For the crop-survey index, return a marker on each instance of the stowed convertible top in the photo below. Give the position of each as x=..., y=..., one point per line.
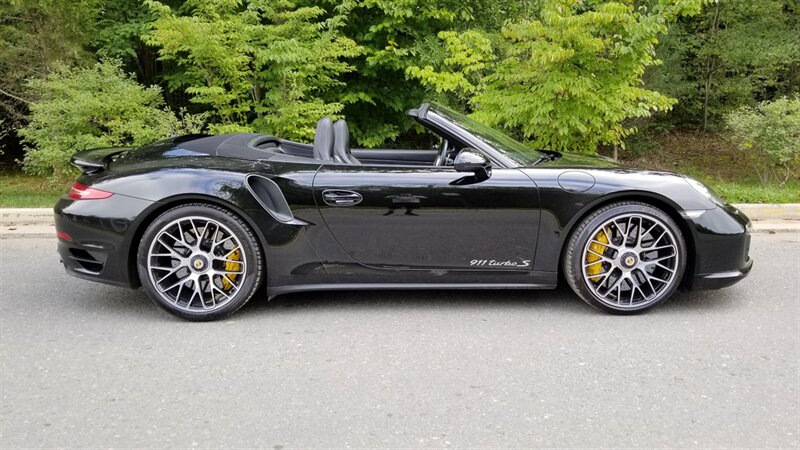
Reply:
x=250, y=146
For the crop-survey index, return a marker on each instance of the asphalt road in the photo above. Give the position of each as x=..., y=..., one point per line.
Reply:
x=86, y=365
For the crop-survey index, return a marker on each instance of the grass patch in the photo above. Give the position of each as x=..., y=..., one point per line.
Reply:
x=18, y=190
x=745, y=190
x=734, y=192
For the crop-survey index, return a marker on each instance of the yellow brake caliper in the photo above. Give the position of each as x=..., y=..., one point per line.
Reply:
x=597, y=247
x=233, y=267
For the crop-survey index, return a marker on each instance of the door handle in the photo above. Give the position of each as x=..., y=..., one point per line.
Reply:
x=339, y=197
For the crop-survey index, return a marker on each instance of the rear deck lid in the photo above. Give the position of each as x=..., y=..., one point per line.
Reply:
x=96, y=159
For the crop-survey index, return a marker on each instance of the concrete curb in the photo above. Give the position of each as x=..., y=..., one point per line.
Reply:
x=770, y=211
x=26, y=216
x=38, y=222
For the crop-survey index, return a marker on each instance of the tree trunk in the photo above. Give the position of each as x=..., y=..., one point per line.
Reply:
x=710, y=65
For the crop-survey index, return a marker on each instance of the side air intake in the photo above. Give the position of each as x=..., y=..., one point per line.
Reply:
x=270, y=197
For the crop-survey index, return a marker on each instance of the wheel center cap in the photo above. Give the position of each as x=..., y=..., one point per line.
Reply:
x=629, y=260
x=199, y=263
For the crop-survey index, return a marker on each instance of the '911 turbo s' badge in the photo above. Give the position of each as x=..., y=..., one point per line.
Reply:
x=494, y=263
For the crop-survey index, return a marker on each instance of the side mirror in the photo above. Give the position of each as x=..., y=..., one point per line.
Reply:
x=471, y=160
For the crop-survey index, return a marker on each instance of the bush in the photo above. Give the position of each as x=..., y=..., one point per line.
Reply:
x=100, y=106
x=768, y=137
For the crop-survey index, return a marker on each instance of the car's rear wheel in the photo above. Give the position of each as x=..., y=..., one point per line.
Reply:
x=199, y=262
x=625, y=258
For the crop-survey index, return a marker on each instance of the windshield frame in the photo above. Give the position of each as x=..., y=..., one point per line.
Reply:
x=501, y=148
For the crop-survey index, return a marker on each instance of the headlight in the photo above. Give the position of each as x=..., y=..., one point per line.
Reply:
x=704, y=190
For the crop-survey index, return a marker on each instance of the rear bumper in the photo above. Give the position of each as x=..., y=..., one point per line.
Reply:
x=97, y=237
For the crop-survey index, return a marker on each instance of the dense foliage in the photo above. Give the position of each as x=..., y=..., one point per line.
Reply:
x=563, y=74
x=264, y=66
x=36, y=36
x=768, y=136
x=570, y=79
x=94, y=107
x=734, y=53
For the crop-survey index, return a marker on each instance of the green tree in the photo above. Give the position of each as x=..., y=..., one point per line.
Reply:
x=121, y=25
x=100, y=106
x=397, y=35
x=572, y=77
x=257, y=65
x=736, y=52
x=35, y=36
x=468, y=59
x=394, y=35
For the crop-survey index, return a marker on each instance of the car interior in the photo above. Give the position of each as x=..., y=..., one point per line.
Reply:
x=332, y=144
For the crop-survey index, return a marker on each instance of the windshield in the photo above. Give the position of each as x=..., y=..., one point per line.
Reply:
x=517, y=151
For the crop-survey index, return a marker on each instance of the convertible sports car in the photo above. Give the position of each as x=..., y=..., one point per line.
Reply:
x=202, y=222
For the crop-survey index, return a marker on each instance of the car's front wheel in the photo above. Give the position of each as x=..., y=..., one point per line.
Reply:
x=199, y=262
x=625, y=258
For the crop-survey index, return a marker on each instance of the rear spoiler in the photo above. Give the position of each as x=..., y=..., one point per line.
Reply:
x=96, y=159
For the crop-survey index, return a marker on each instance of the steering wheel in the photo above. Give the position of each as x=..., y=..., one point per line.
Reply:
x=441, y=157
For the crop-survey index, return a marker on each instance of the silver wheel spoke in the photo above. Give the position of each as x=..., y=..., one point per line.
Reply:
x=652, y=249
x=649, y=283
x=657, y=279
x=602, y=257
x=173, y=286
x=617, y=283
x=229, y=260
x=660, y=258
x=174, y=238
x=665, y=267
x=229, y=253
x=641, y=235
x=171, y=272
x=220, y=242
x=628, y=230
x=178, y=295
x=603, y=244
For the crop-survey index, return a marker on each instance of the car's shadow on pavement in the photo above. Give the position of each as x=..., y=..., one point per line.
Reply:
x=560, y=300
x=554, y=300
x=105, y=300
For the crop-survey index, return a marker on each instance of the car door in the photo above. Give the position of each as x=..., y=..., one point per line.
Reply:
x=430, y=217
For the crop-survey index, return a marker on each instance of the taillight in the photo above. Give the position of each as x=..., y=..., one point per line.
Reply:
x=80, y=191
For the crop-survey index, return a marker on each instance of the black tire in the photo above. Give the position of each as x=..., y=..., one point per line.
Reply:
x=595, y=289
x=219, y=285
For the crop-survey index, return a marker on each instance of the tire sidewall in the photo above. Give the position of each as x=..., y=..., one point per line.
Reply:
x=574, y=260
x=250, y=247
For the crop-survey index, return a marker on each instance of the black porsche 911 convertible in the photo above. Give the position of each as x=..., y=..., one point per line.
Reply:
x=202, y=222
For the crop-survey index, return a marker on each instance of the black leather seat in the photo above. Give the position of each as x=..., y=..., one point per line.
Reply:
x=341, y=144
x=323, y=140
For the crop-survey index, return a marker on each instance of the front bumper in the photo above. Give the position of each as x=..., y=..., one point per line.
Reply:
x=722, y=248
x=722, y=279
x=97, y=237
